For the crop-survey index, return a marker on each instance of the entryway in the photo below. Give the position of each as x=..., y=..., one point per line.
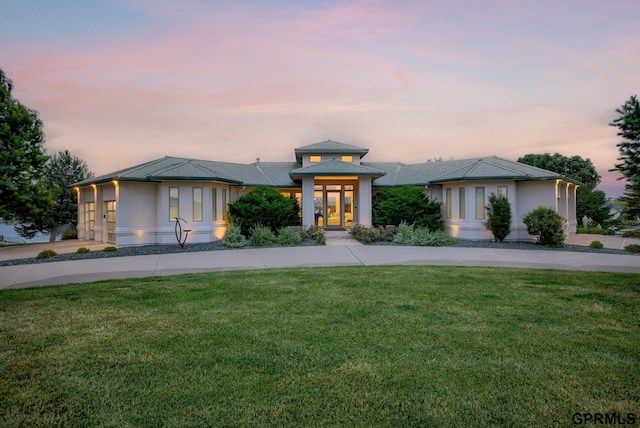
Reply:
x=333, y=205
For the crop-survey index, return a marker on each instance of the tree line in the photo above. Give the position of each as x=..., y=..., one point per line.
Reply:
x=35, y=192
x=34, y=187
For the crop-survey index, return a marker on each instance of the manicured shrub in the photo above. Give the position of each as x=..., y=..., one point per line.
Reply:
x=308, y=232
x=318, y=236
x=107, y=249
x=264, y=206
x=234, y=238
x=408, y=204
x=404, y=234
x=371, y=234
x=594, y=230
x=596, y=244
x=82, y=250
x=631, y=233
x=546, y=224
x=410, y=235
x=262, y=236
x=71, y=233
x=498, y=217
x=288, y=237
x=633, y=248
x=46, y=254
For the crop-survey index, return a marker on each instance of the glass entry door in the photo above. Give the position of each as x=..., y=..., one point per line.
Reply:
x=334, y=208
x=333, y=204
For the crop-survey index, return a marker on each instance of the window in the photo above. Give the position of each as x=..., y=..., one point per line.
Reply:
x=214, y=204
x=462, y=205
x=197, y=204
x=111, y=221
x=347, y=158
x=90, y=219
x=479, y=202
x=448, y=202
x=174, y=203
x=224, y=204
x=502, y=191
x=315, y=159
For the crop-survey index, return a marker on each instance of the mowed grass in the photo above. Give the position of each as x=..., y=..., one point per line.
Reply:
x=355, y=346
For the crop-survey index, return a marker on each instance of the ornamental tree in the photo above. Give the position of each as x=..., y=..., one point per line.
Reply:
x=498, y=217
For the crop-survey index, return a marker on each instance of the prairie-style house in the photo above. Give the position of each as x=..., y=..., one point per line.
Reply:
x=334, y=185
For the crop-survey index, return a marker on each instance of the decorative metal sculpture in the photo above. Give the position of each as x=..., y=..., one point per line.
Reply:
x=179, y=231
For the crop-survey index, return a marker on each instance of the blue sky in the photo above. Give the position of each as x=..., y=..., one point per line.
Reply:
x=119, y=82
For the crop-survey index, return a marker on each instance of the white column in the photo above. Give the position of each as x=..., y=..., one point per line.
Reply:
x=308, y=218
x=364, y=201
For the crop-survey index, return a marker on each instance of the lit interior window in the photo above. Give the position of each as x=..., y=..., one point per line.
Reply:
x=347, y=159
x=315, y=159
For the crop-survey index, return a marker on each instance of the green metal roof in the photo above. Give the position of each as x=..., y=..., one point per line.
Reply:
x=330, y=147
x=338, y=168
x=285, y=174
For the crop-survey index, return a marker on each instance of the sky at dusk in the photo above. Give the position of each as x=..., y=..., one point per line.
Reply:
x=121, y=82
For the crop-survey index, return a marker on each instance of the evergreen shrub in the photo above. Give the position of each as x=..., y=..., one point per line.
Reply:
x=546, y=224
x=234, y=238
x=408, y=204
x=46, y=254
x=266, y=207
x=596, y=244
x=262, y=236
x=498, y=217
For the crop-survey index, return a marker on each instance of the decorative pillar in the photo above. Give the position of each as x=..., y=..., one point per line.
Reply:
x=364, y=201
x=308, y=218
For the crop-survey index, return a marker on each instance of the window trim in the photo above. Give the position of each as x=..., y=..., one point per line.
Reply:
x=480, y=202
x=172, y=218
x=196, y=210
x=214, y=204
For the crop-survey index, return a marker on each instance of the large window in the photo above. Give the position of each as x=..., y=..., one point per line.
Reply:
x=174, y=203
x=197, y=204
x=479, y=202
x=448, y=202
x=462, y=203
x=90, y=219
x=111, y=221
x=224, y=204
x=214, y=204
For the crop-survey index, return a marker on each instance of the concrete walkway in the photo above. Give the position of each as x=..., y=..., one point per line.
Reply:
x=268, y=258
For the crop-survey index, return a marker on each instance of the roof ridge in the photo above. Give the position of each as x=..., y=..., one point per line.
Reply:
x=472, y=163
x=263, y=173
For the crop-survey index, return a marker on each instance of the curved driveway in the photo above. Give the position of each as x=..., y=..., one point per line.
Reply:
x=330, y=255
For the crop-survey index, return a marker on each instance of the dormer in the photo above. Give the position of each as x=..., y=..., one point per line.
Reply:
x=329, y=150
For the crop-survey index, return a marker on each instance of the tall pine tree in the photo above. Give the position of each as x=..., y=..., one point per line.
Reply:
x=628, y=124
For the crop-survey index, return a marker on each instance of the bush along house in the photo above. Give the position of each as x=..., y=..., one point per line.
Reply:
x=334, y=186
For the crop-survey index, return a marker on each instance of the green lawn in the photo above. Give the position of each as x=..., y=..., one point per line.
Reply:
x=355, y=346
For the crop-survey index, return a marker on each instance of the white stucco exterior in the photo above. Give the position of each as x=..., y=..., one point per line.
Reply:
x=137, y=206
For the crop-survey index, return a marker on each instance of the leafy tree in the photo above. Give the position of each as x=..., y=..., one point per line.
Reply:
x=629, y=166
x=264, y=206
x=408, y=204
x=574, y=167
x=499, y=217
x=22, y=157
x=579, y=169
x=546, y=224
x=61, y=171
x=593, y=204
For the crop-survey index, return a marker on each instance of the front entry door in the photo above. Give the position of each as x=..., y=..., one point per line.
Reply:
x=334, y=208
x=333, y=205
